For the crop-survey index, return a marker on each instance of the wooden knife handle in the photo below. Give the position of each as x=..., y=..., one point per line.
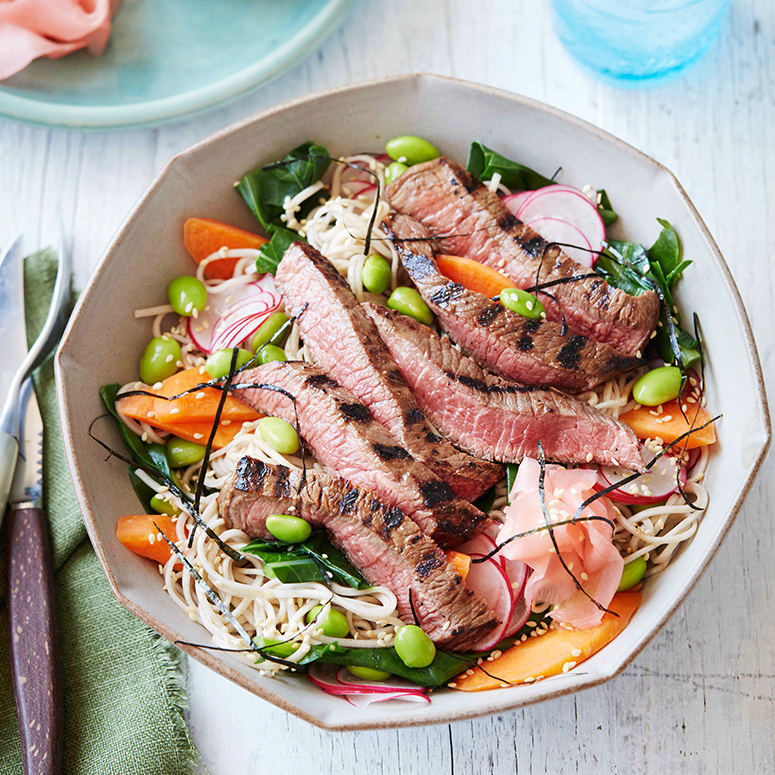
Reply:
x=33, y=641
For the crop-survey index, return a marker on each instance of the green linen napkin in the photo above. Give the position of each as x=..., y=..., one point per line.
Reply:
x=124, y=698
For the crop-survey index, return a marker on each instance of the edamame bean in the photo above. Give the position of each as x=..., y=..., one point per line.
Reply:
x=160, y=360
x=269, y=331
x=270, y=352
x=187, y=295
x=182, y=453
x=522, y=302
x=368, y=673
x=335, y=625
x=290, y=530
x=160, y=506
x=376, y=274
x=279, y=434
x=414, y=647
x=219, y=363
x=410, y=150
x=658, y=386
x=632, y=574
x=394, y=171
x=408, y=301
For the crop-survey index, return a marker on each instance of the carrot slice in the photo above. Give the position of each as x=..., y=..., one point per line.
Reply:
x=459, y=561
x=473, y=275
x=646, y=423
x=199, y=432
x=549, y=654
x=197, y=407
x=203, y=236
x=135, y=532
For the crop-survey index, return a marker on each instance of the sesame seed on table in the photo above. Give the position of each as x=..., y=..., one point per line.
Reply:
x=700, y=697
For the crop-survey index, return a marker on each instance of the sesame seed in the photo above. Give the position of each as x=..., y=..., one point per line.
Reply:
x=504, y=685
x=174, y=410
x=452, y=685
x=198, y=436
x=151, y=539
x=157, y=386
x=469, y=671
x=576, y=652
x=585, y=576
x=200, y=394
x=225, y=422
x=529, y=679
x=614, y=461
x=495, y=654
x=568, y=666
x=589, y=457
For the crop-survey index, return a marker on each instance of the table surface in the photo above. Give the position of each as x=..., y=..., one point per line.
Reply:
x=700, y=697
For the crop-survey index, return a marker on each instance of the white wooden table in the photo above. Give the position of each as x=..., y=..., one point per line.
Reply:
x=699, y=699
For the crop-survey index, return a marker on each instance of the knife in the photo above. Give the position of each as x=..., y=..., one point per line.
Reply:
x=32, y=634
x=31, y=621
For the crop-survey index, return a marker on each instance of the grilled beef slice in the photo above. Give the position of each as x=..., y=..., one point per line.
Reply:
x=469, y=220
x=385, y=545
x=346, y=345
x=494, y=418
x=531, y=351
x=349, y=442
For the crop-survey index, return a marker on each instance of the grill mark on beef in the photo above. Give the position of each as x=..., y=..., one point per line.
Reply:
x=356, y=412
x=377, y=538
x=436, y=493
x=427, y=564
x=393, y=519
x=465, y=218
x=496, y=418
x=525, y=343
x=348, y=501
x=344, y=342
x=391, y=452
x=321, y=381
x=447, y=293
x=414, y=415
x=570, y=355
x=281, y=485
x=489, y=314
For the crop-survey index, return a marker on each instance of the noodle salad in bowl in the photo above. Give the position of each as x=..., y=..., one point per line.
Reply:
x=436, y=428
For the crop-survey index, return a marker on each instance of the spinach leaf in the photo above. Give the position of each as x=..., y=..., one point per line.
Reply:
x=667, y=253
x=284, y=650
x=483, y=163
x=444, y=668
x=621, y=274
x=333, y=560
x=604, y=207
x=486, y=500
x=316, y=559
x=511, y=475
x=265, y=190
x=272, y=253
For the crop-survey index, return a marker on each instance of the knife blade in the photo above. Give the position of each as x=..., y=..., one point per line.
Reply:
x=13, y=336
x=31, y=603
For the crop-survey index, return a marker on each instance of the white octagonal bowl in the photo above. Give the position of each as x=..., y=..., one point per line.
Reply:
x=103, y=342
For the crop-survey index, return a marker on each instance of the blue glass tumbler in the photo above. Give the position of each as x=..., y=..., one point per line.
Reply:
x=638, y=42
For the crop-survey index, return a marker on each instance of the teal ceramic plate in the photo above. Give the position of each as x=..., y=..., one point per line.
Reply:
x=168, y=58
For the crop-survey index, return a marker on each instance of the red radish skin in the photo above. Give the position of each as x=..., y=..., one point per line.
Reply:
x=660, y=481
x=514, y=201
x=336, y=680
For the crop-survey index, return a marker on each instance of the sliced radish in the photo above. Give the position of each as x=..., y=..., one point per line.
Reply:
x=514, y=201
x=489, y=581
x=390, y=685
x=479, y=544
x=566, y=234
x=340, y=682
x=232, y=317
x=519, y=615
x=364, y=700
x=652, y=487
x=568, y=204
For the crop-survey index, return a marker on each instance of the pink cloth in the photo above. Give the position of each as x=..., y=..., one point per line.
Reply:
x=585, y=547
x=34, y=28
